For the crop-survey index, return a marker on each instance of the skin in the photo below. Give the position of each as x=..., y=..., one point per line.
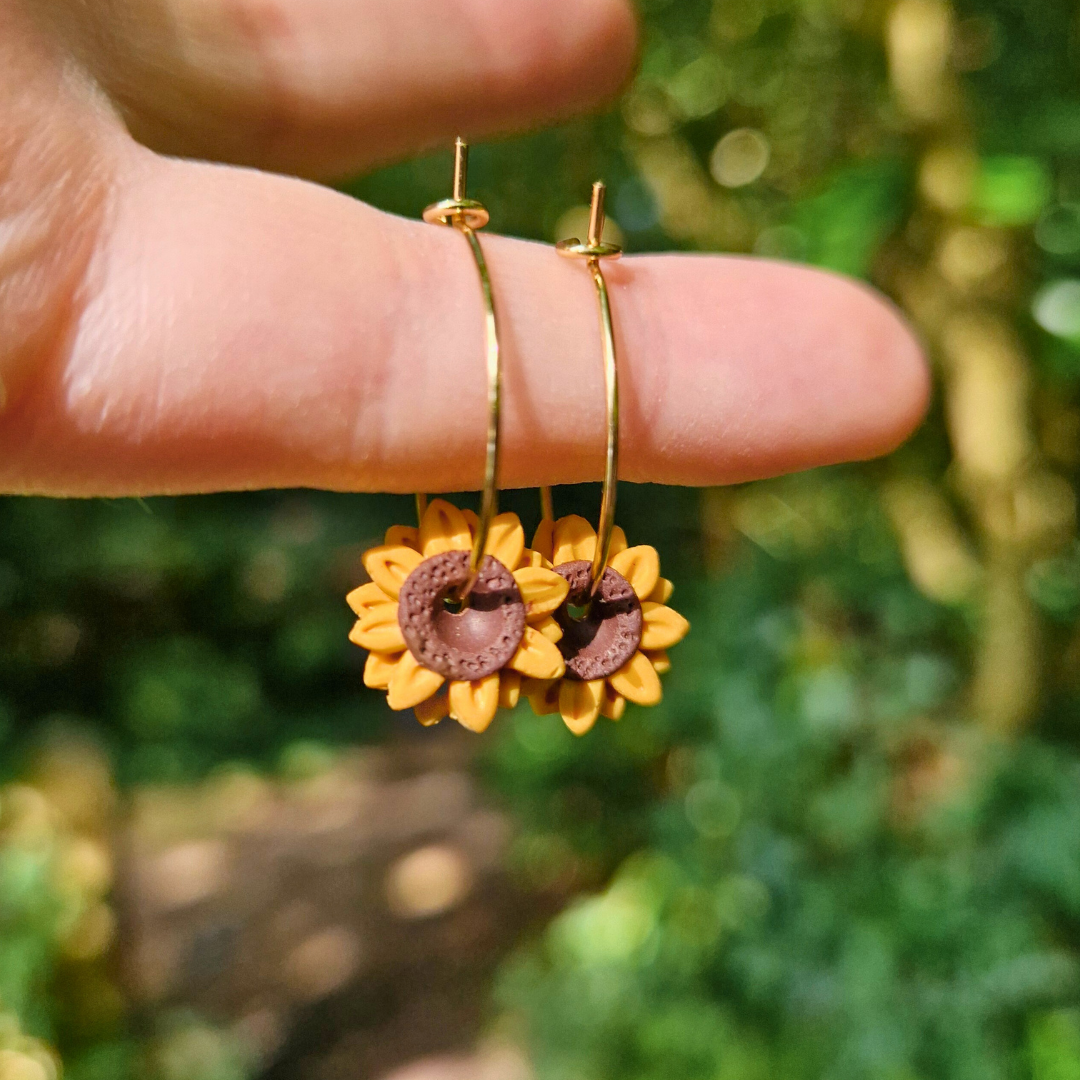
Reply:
x=172, y=325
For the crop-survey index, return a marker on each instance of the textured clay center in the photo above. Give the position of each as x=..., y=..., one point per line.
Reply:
x=474, y=642
x=608, y=636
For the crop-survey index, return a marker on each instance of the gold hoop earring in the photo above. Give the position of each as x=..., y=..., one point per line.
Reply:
x=615, y=621
x=458, y=610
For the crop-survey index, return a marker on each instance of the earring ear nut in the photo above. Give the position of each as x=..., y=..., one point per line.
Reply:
x=452, y=211
x=577, y=249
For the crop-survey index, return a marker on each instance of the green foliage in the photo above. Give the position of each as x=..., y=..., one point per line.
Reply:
x=806, y=863
x=186, y=631
x=1054, y=1040
x=834, y=876
x=844, y=225
x=1011, y=190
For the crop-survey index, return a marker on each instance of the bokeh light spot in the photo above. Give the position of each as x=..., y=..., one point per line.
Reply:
x=427, y=882
x=739, y=158
x=1057, y=308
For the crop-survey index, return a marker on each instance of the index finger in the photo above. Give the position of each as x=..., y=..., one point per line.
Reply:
x=241, y=331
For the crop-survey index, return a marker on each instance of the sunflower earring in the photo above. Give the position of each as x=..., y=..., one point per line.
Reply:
x=615, y=624
x=458, y=611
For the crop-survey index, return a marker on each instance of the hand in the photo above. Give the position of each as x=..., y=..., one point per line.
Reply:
x=168, y=325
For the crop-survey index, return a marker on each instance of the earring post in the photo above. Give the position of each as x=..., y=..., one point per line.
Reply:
x=597, y=216
x=461, y=168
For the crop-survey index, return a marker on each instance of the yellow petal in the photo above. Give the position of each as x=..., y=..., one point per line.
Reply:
x=471, y=520
x=547, y=626
x=506, y=540
x=544, y=697
x=662, y=626
x=543, y=538
x=579, y=703
x=659, y=660
x=443, y=528
x=403, y=536
x=535, y=686
x=379, y=668
x=542, y=590
x=637, y=681
x=574, y=539
x=537, y=559
x=662, y=593
x=411, y=683
x=537, y=657
x=388, y=567
x=640, y=566
x=618, y=542
x=475, y=703
x=363, y=599
x=509, y=689
x=614, y=704
x=378, y=630
x=433, y=710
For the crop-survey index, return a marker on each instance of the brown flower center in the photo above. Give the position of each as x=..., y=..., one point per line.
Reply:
x=608, y=634
x=467, y=644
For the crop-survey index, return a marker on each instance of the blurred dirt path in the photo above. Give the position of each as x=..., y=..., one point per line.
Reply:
x=342, y=924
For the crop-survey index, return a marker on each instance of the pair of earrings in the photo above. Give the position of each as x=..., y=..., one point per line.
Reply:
x=461, y=618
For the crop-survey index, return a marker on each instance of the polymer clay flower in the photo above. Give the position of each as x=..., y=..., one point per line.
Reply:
x=443, y=658
x=615, y=648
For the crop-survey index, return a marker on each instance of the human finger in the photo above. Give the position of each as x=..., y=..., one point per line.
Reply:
x=241, y=330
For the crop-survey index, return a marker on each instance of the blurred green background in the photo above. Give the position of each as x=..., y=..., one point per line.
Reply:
x=847, y=844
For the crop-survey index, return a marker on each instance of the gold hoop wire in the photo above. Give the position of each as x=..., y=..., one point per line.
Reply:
x=547, y=508
x=593, y=252
x=467, y=216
